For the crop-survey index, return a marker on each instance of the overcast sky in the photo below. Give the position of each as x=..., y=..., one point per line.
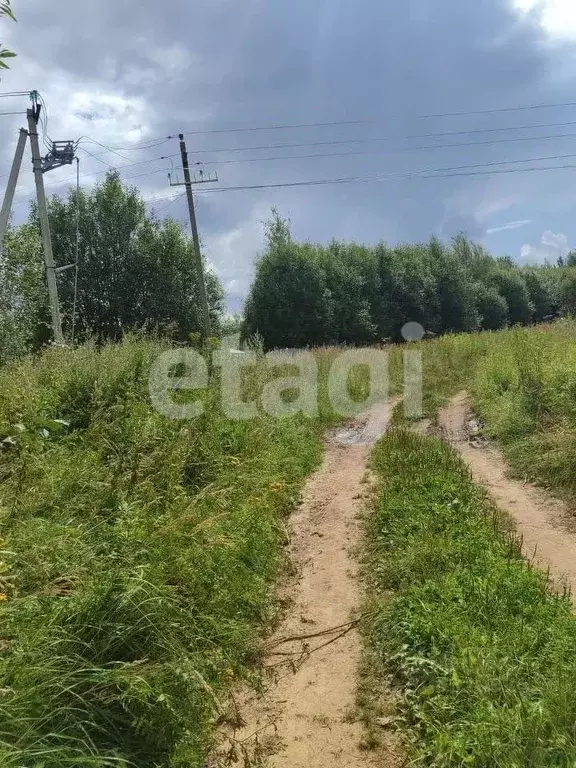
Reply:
x=129, y=72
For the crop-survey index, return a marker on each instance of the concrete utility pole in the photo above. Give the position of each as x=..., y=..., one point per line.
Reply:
x=11, y=187
x=33, y=116
x=196, y=239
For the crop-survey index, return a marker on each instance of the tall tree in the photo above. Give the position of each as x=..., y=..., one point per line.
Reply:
x=134, y=272
x=512, y=287
x=289, y=304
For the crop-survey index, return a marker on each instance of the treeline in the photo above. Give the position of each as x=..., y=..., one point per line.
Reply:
x=136, y=273
x=343, y=293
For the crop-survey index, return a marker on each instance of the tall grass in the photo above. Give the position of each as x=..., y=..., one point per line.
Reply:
x=483, y=652
x=525, y=390
x=137, y=558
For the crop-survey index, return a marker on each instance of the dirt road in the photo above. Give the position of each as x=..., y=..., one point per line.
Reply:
x=304, y=719
x=548, y=530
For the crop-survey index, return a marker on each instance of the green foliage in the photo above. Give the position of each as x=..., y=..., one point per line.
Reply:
x=5, y=10
x=568, y=292
x=540, y=293
x=343, y=293
x=23, y=298
x=137, y=559
x=134, y=272
x=483, y=652
x=289, y=302
x=511, y=285
x=492, y=307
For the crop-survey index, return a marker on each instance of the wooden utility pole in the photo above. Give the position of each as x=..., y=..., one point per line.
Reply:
x=33, y=116
x=205, y=310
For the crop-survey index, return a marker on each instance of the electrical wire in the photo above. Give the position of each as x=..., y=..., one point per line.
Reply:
x=378, y=139
x=172, y=201
x=380, y=178
x=356, y=153
x=108, y=149
x=14, y=94
x=135, y=147
x=113, y=151
x=44, y=122
x=366, y=121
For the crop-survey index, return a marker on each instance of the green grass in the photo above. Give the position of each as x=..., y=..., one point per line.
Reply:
x=525, y=391
x=137, y=560
x=523, y=385
x=483, y=652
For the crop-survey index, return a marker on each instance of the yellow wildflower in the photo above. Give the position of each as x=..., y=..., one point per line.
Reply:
x=3, y=596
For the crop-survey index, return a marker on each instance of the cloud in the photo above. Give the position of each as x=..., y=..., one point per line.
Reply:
x=550, y=248
x=510, y=225
x=557, y=17
x=233, y=253
x=137, y=70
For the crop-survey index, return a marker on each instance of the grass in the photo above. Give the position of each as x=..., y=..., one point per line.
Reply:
x=483, y=652
x=525, y=390
x=137, y=559
x=523, y=385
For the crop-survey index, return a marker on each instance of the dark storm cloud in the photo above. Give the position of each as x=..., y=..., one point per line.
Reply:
x=213, y=64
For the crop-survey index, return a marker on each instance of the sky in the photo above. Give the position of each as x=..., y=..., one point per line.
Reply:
x=388, y=93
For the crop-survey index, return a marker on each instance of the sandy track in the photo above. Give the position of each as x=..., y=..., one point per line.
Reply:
x=545, y=524
x=303, y=719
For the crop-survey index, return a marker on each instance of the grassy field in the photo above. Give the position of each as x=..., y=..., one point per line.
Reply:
x=523, y=385
x=138, y=556
x=481, y=650
x=137, y=559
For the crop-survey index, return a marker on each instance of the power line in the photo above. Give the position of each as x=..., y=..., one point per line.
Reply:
x=134, y=148
x=380, y=178
x=355, y=153
x=341, y=142
x=366, y=121
x=14, y=94
x=13, y=113
x=399, y=174
x=377, y=139
x=113, y=151
x=172, y=201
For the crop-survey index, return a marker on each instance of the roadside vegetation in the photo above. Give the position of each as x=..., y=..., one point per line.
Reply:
x=482, y=651
x=523, y=387
x=137, y=560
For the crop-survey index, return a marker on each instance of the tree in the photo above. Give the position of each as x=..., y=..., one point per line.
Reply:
x=491, y=307
x=455, y=291
x=568, y=293
x=289, y=304
x=512, y=288
x=346, y=282
x=24, y=310
x=5, y=10
x=134, y=272
x=540, y=294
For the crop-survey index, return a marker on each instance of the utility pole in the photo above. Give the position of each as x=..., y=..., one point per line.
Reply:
x=195, y=238
x=33, y=116
x=11, y=187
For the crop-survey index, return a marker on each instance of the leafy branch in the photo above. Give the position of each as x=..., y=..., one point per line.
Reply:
x=6, y=10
